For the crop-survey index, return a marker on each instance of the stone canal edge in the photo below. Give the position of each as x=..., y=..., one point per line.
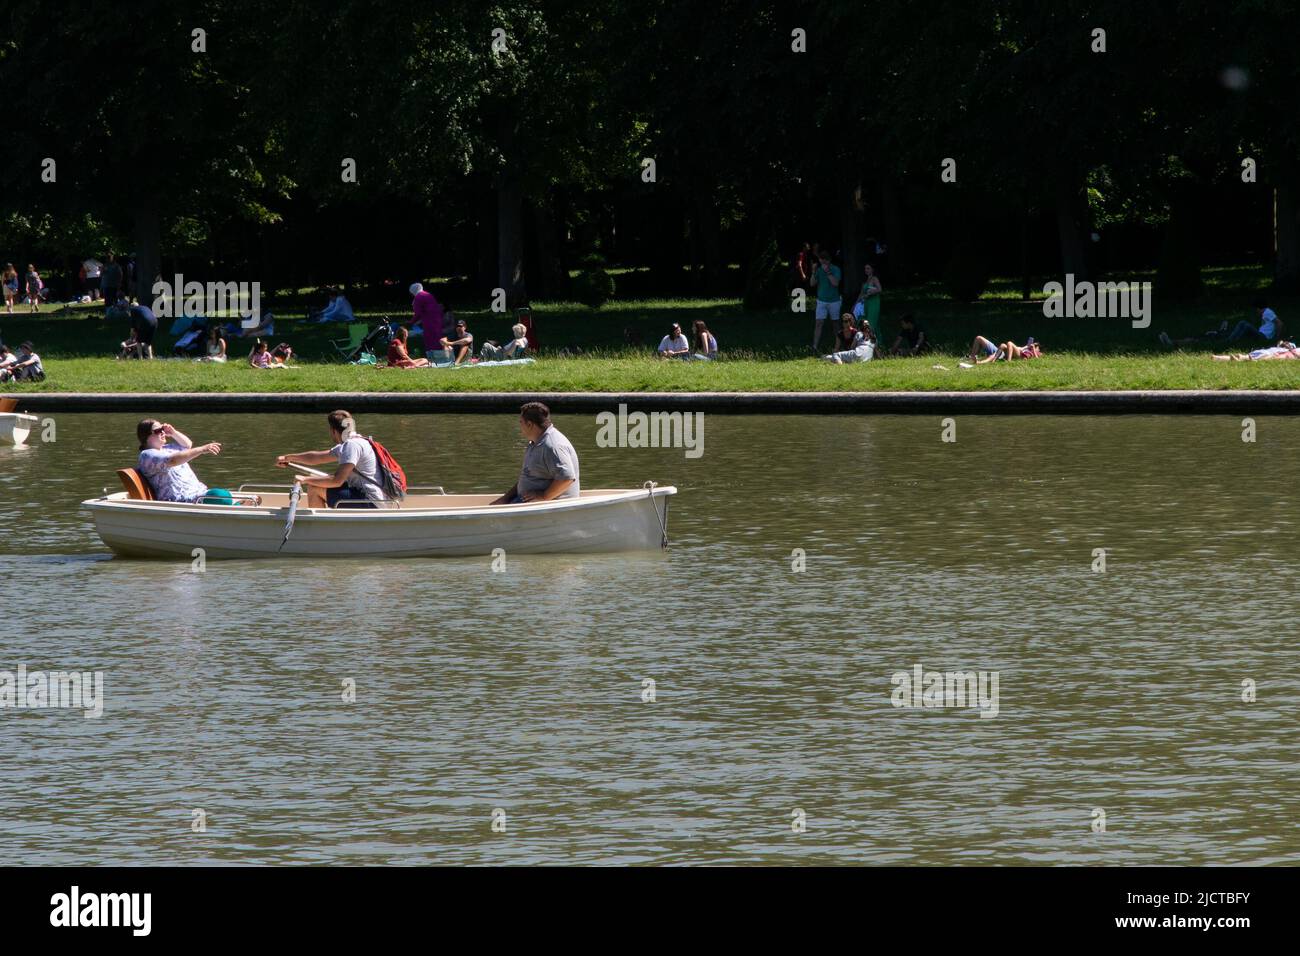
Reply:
x=1195, y=402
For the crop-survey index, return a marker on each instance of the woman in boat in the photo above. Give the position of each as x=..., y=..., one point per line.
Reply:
x=356, y=480
x=398, y=356
x=164, y=462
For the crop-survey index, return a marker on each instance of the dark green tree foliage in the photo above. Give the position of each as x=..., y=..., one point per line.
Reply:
x=508, y=163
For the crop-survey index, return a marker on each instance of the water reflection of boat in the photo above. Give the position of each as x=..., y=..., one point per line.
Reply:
x=15, y=427
x=425, y=525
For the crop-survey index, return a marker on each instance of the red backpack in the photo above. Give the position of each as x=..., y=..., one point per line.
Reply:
x=391, y=476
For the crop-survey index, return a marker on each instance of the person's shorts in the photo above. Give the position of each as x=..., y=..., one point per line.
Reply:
x=828, y=311
x=990, y=348
x=347, y=493
x=145, y=333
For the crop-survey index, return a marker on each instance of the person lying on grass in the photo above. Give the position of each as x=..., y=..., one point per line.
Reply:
x=1283, y=350
x=398, y=357
x=1006, y=351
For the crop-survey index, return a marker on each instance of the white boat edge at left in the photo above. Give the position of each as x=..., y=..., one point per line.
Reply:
x=16, y=426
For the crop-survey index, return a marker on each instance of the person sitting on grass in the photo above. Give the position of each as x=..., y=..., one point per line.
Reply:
x=1269, y=329
x=263, y=357
x=7, y=358
x=214, y=350
x=1283, y=350
x=847, y=334
x=517, y=346
x=461, y=343
x=164, y=462
x=674, y=344
x=1007, y=351
x=706, y=346
x=132, y=348
x=489, y=351
x=857, y=345
x=398, y=357
x=26, y=366
x=911, y=338
x=338, y=309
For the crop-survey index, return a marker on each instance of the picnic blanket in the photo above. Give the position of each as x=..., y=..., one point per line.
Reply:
x=522, y=361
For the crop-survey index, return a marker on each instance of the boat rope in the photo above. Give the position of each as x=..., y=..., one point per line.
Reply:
x=649, y=486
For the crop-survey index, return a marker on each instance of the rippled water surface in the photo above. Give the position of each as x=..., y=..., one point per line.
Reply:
x=1118, y=691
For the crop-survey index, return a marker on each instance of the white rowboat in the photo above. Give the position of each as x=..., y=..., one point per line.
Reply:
x=15, y=427
x=425, y=525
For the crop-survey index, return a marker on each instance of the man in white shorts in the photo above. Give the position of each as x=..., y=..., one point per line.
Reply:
x=826, y=277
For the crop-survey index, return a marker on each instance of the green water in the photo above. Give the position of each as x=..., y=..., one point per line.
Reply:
x=522, y=690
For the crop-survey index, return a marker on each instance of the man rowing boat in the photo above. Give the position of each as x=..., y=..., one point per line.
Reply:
x=356, y=480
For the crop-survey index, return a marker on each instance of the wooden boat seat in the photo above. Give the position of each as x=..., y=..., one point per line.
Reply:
x=137, y=489
x=8, y=404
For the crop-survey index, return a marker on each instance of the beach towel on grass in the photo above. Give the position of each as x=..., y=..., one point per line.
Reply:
x=522, y=361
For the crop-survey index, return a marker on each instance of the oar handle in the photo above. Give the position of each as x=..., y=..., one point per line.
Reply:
x=311, y=472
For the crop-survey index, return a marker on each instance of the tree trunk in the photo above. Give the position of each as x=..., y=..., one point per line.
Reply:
x=1068, y=229
x=710, y=244
x=1286, y=238
x=547, y=281
x=485, y=273
x=148, y=250
x=894, y=238
x=1025, y=286
x=851, y=280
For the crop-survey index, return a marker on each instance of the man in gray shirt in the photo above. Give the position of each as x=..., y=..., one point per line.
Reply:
x=550, y=464
x=356, y=480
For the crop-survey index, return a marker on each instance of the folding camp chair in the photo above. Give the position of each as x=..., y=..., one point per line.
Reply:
x=350, y=347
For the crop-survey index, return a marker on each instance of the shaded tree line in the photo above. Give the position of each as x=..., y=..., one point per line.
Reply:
x=508, y=143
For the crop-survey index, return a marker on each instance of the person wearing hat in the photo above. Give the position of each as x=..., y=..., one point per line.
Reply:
x=427, y=315
x=165, y=456
x=461, y=343
x=674, y=344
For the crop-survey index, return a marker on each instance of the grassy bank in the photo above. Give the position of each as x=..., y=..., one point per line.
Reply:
x=585, y=350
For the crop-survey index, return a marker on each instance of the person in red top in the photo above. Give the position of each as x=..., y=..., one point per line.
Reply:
x=398, y=357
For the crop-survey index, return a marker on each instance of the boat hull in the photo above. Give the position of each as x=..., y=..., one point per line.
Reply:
x=15, y=427
x=454, y=526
